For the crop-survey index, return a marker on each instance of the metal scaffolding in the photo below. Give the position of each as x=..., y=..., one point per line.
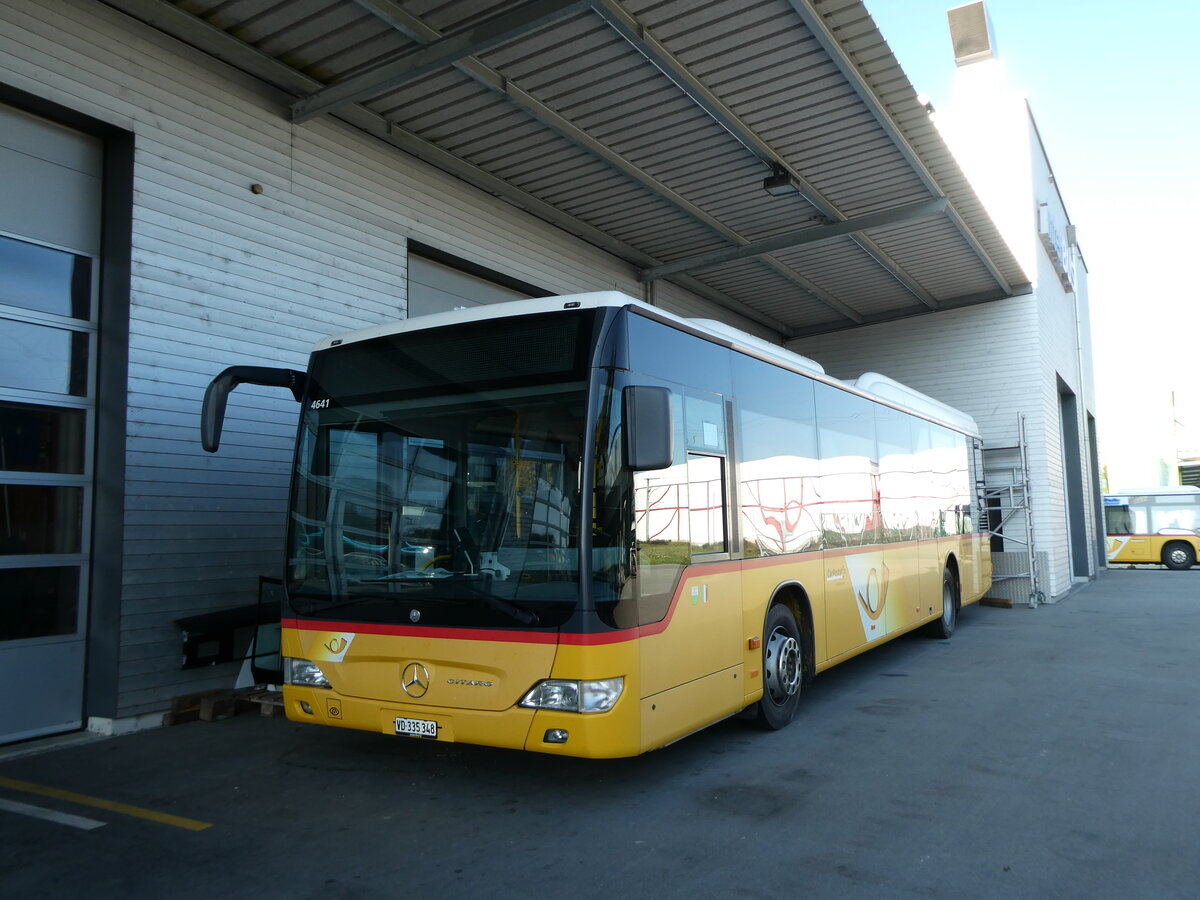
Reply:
x=1006, y=494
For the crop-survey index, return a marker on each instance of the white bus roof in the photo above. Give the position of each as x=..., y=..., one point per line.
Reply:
x=902, y=395
x=871, y=384
x=726, y=333
x=1186, y=489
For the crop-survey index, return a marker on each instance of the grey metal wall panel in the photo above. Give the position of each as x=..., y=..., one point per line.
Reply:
x=434, y=287
x=52, y=183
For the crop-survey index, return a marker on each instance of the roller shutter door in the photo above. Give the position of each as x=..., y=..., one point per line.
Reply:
x=50, y=181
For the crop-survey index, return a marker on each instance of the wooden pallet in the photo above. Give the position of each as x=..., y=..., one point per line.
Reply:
x=212, y=706
x=269, y=703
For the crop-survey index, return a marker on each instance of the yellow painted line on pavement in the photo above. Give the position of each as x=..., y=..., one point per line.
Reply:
x=99, y=803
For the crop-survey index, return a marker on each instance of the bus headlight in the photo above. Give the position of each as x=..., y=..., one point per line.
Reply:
x=575, y=696
x=303, y=672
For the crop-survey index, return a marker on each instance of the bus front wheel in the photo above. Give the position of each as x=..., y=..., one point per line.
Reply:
x=1178, y=555
x=783, y=669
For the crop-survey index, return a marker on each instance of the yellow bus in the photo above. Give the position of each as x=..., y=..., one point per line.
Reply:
x=1155, y=527
x=580, y=525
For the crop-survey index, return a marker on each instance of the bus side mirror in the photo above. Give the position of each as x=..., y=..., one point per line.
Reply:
x=648, y=431
x=212, y=413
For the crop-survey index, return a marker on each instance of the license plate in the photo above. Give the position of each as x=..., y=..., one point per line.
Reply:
x=425, y=728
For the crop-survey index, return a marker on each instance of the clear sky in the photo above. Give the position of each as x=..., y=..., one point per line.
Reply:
x=1115, y=91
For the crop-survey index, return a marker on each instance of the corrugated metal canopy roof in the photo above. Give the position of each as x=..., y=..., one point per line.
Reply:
x=648, y=127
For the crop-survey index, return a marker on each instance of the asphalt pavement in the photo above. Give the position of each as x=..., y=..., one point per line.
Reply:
x=1049, y=752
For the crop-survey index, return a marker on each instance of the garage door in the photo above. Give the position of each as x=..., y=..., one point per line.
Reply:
x=50, y=179
x=438, y=287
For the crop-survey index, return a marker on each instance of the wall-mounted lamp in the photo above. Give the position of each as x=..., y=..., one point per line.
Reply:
x=779, y=182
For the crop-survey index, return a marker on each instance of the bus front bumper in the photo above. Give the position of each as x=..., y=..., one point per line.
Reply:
x=600, y=735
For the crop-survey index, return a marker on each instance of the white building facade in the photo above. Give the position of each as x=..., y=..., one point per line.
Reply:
x=1027, y=357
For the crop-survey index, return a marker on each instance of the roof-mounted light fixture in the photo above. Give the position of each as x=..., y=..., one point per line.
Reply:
x=779, y=182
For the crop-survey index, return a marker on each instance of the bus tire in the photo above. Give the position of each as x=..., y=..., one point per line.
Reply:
x=944, y=626
x=1178, y=555
x=782, y=667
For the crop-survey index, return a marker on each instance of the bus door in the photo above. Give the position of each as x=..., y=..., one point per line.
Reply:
x=688, y=590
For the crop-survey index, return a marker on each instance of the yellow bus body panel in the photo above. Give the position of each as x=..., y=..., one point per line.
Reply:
x=761, y=579
x=1145, y=548
x=699, y=665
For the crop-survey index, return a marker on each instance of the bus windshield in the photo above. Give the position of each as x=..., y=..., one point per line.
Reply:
x=438, y=483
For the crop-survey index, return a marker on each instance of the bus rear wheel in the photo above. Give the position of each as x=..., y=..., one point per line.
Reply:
x=1178, y=555
x=783, y=669
x=943, y=628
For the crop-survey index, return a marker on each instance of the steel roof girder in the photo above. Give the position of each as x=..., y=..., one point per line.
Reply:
x=494, y=81
x=229, y=50
x=186, y=26
x=813, y=290
x=169, y=18
x=394, y=15
x=910, y=212
x=437, y=54
x=894, y=269
x=650, y=47
x=909, y=312
x=413, y=26
x=812, y=19
x=666, y=62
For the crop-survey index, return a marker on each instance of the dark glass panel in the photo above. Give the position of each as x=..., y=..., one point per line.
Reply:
x=1118, y=520
x=37, y=518
x=439, y=471
x=47, y=280
x=38, y=602
x=41, y=358
x=493, y=354
x=677, y=357
x=41, y=439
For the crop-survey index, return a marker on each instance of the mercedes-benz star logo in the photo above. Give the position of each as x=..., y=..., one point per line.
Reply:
x=415, y=680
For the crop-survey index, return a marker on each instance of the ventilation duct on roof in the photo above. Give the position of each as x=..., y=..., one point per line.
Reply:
x=971, y=34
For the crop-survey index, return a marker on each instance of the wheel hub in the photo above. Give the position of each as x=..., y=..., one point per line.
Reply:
x=782, y=666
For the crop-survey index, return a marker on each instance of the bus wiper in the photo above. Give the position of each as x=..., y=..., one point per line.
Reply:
x=324, y=602
x=519, y=613
x=454, y=592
